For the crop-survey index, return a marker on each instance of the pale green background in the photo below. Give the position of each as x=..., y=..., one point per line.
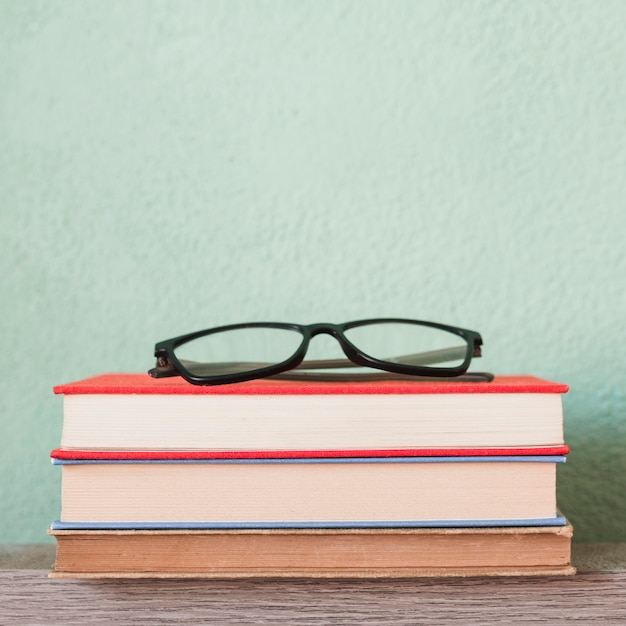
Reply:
x=170, y=166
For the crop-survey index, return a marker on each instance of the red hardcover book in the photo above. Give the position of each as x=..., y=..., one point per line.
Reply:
x=113, y=415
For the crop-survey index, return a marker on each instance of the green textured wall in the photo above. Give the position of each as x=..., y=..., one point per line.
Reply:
x=169, y=166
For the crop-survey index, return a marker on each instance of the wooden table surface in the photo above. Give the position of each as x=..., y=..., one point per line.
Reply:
x=596, y=595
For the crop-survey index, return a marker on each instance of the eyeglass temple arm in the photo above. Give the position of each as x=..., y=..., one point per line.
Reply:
x=420, y=358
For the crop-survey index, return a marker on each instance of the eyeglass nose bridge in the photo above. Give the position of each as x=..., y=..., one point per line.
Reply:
x=336, y=331
x=324, y=329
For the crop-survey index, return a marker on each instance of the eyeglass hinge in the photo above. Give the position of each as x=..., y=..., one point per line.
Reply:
x=163, y=367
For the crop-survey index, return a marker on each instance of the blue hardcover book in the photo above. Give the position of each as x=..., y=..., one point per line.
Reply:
x=385, y=492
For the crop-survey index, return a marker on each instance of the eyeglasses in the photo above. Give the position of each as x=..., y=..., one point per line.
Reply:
x=398, y=347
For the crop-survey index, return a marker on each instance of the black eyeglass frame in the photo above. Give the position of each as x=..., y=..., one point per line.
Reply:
x=169, y=365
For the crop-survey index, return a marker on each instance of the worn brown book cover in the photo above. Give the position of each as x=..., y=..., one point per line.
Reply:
x=331, y=553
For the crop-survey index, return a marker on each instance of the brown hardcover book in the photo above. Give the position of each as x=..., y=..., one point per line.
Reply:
x=343, y=553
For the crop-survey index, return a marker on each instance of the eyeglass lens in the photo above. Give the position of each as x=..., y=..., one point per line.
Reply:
x=412, y=344
x=240, y=350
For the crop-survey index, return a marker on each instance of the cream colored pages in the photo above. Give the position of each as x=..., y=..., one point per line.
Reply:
x=323, y=422
x=308, y=492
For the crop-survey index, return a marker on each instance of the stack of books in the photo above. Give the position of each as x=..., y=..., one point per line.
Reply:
x=161, y=478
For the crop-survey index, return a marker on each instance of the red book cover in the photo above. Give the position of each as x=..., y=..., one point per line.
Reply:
x=134, y=416
x=126, y=383
x=223, y=455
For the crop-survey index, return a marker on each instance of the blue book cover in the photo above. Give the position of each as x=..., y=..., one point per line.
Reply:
x=400, y=492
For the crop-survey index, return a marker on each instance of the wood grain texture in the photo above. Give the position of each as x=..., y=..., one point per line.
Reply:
x=29, y=597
